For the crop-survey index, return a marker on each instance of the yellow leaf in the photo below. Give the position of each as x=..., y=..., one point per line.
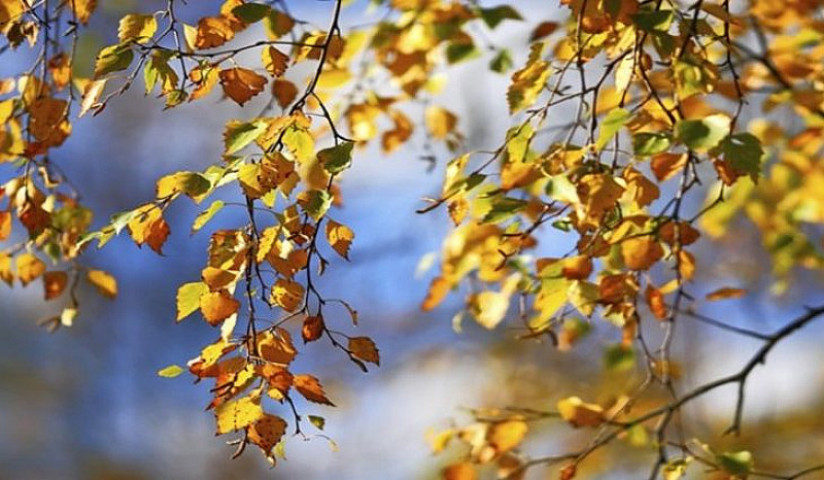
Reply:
x=489, y=308
x=241, y=84
x=364, y=348
x=339, y=237
x=505, y=436
x=440, y=122
x=218, y=306
x=726, y=292
x=54, y=283
x=171, y=371
x=83, y=9
x=641, y=253
x=238, y=414
x=528, y=82
x=105, y=283
x=288, y=294
x=311, y=389
x=29, y=268
x=6, y=274
x=580, y=414
x=188, y=298
x=91, y=95
x=139, y=28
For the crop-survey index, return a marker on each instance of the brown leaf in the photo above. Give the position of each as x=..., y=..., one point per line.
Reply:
x=54, y=283
x=312, y=328
x=266, y=432
x=364, y=348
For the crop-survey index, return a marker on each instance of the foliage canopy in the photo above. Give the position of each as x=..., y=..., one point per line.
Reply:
x=657, y=99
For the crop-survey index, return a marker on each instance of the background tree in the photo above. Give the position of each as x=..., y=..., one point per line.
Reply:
x=584, y=214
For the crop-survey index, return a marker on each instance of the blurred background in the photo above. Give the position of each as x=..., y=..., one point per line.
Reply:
x=86, y=402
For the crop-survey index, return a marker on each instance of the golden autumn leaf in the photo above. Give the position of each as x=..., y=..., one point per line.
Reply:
x=29, y=268
x=459, y=471
x=138, y=28
x=440, y=122
x=5, y=225
x=364, y=349
x=287, y=294
x=311, y=389
x=241, y=84
x=504, y=436
x=149, y=227
x=339, y=237
x=188, y=298
x=218, y=306
x=641, y=253
x=437, y=292
x=276, y=346
x=580, y=414
x=238, y=414
x=54, y=283
x=83, y=9
x=104, y=282
x=213, y=32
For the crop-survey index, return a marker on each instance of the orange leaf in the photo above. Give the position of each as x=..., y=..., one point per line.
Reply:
x=438, y=290
x=726, y=292
x=311, y=389
x=266, y=432
x=218, y=306
x=241, y=84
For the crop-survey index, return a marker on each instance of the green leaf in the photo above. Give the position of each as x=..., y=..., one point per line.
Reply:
x=495, y=15
x=206, y=215
x=502, y=62
x=653, y=20
x=703, y=134
x=251, y=12
x=503, y=208
x=170, y=372
x=646, y=143
x=744, y=152
x=461, y=51
x=610, y=126
x=240, y=134
x=619, y=358
x=736, y=463
x=336, y=159
x=317, y=421
x=113, y=59
x=316, y=203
